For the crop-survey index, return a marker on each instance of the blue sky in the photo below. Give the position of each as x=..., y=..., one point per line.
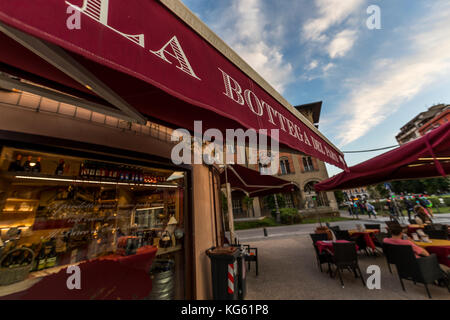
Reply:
x=371, y=82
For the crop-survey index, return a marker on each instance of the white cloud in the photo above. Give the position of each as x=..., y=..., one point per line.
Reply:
x=328, y=67
x=331, y=13
x=312, y=65
x=342, y=43
x=381, y=91
x=245, y=28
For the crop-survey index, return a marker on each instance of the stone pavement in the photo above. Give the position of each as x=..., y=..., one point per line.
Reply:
x=288, y=271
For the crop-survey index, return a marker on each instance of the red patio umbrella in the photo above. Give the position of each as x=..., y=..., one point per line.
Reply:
x=426, y=157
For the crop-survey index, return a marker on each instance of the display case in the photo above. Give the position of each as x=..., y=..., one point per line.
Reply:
x=70, y=210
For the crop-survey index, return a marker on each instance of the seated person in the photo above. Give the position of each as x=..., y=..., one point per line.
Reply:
x=399, y=238
x=422, y=214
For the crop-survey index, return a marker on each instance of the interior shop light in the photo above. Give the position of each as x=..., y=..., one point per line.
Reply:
x=97, y=182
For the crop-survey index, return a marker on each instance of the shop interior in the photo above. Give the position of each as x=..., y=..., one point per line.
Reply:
x=58, y=210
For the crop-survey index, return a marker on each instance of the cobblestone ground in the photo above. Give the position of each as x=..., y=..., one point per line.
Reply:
x=288, y=271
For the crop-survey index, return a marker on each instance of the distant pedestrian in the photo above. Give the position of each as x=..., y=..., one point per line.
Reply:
x=370, y=210
x=355, y=209
x=422, y=213
x=427, y=204
x=350, y=208
x=409, y=206
x=361, y=207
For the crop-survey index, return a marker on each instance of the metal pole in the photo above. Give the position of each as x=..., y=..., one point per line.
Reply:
x=277, y=209
x=230, y=208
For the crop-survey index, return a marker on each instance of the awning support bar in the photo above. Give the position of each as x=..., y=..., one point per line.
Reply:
x=61, y=60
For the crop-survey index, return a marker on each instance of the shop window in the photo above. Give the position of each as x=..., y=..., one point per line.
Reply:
x=284, y=166
x=237, y=206
x=68, y=210
x=308, y=164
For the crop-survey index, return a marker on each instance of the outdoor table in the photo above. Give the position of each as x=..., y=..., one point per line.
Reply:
x=439, y=247
x=367, y=234
x=414, y=227
x=328, y=245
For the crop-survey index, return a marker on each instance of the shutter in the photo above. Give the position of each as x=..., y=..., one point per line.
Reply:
x=315, y=164
x=302, y=167
x=291, y=164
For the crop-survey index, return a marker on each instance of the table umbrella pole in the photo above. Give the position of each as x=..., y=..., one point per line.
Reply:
x=230, y=207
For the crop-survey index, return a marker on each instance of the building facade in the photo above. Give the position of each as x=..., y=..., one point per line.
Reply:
x=303, y=170
x=423, y=123
x=356, y=193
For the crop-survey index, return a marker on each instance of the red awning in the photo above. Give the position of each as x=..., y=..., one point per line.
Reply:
x=426, y=157
x=152, y=61
x=253, y=183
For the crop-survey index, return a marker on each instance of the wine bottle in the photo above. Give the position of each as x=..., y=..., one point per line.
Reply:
x=51, y=256
x=82, y=170
x=37, y=166
x=27, y=165
x=60, y=168
x=92, y=170
x=42, y=257
x=16, y=165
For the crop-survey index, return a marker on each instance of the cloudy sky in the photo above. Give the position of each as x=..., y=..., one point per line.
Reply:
x=371, y=82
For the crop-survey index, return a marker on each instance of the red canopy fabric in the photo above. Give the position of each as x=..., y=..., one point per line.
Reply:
x=425, y=157
x=253, y=183
x=156, y=63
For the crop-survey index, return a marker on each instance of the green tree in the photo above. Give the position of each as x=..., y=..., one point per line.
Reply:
x=382, y=191
x=339, y=195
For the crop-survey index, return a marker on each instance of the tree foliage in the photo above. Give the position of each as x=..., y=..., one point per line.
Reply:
x=428, y=186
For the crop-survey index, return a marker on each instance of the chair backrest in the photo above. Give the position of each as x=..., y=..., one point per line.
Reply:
x=437, y=234
x=372, y=226
x=404, y=259
x=318, y=237
x=387, y=252
x=342, y=235
x=345, y=253
x=335, y=228
x=440, y=226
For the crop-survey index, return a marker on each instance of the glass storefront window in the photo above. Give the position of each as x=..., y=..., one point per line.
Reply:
x=67, y=211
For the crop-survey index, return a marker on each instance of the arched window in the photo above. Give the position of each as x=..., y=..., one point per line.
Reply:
x=311, y=195
x=284, y=166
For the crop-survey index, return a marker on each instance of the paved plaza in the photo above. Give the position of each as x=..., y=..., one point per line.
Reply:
x=288, y=271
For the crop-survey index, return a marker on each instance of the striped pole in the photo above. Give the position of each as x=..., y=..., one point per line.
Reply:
x=231, y=268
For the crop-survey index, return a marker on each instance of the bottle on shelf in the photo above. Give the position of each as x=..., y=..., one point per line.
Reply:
x=27, y=164
x=121, y=173
x=92, y=169
x=42, y=257
x=16, y=165
x=37, y=167
x=51, y=255
x=60, y=168
x=98, y=171
x=82, y=173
